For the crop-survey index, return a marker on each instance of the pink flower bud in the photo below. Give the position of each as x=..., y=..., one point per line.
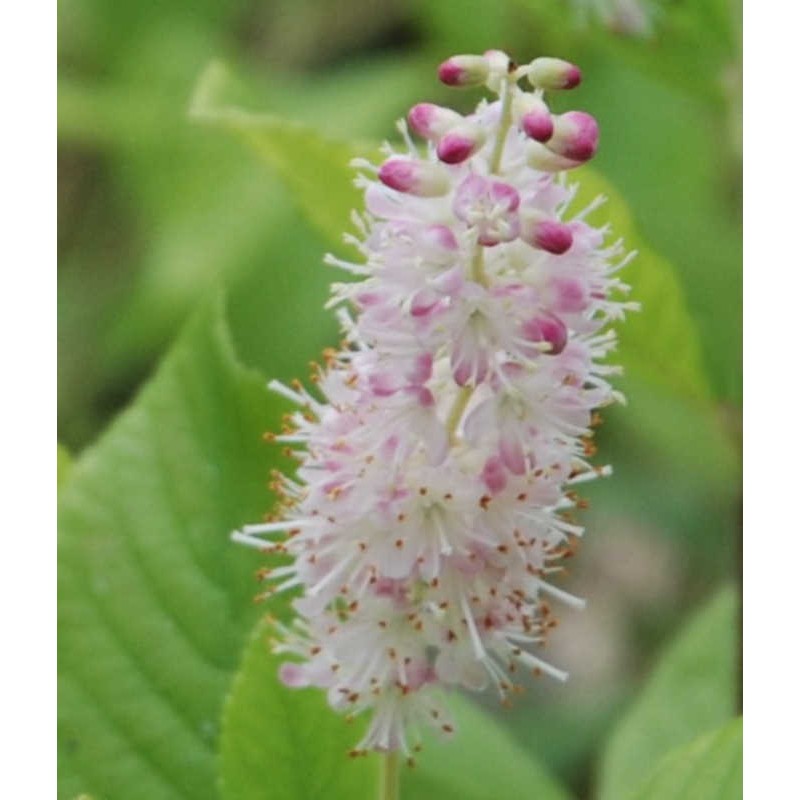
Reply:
x=411, y=176
x=546, y=328
x=464, y=71
x=553, y=74
x=535, y=118
x=538, y=125
x=431, y=121
x=543, y=233
x=575, y=136
x=460, y=143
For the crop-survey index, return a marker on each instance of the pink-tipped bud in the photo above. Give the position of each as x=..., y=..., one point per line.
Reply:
x=553, y=74
x=431, y=121
x=460, y=143
x=538, y=125
x=575, y=136
x=464, y=71
x=534, y=117
x=541, y=157
x=411, y=176
x=549, y=329
x=544, y=233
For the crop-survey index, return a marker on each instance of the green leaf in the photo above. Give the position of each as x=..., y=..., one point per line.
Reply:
x=709, y=768
x=482, y=762
x=63, y=464
x=691, y=691
x=674, y=162
x=314, y=167
x=154, y=601
x=660, y=344
x=286, y=744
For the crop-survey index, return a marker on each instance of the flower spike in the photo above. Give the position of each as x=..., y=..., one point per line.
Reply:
x=441, y=446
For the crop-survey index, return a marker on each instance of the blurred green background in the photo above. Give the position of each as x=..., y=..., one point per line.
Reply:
x=157, y=212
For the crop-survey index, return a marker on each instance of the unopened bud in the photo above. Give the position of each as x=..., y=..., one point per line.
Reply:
x=540, y=157
x=460, y=143
x=553, y=74
x=431, y=121
x=535, y=117
x=575, y=136
x=420, y=178
x=547, y=328
x=544, y=233
x=464, y=71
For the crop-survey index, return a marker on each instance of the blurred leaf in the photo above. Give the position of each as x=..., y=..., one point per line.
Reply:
x=63, y=464
x=463, y=26
x=153, y=599
x=286, y=744
x=315, y=168
x=709, y=768
x=691, y=691
x=660, y=344
x=482, y=762
x=672, y=158
x=685, y=44
x=186, y=212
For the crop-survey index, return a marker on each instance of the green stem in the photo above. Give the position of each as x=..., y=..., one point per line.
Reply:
x=477, y=268
x=389, y=787
x=505, y=124
x=459, y=406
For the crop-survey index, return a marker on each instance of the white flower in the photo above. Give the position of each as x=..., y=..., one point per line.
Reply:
x=439, y=450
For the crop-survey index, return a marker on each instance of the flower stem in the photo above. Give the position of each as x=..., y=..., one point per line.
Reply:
x=477, y=268
x=456, y=412
x=389, y=786
x=505, y=124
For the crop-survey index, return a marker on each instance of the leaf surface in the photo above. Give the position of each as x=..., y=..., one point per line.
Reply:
x=154, y=601
x=690, y=692
x=708, y=768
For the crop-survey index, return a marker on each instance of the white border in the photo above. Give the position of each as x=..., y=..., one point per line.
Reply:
x=28, y=414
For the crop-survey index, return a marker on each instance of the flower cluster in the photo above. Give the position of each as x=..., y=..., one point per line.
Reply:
x=440, y=446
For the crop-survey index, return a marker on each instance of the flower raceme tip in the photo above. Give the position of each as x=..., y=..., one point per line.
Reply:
x=441, y=445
